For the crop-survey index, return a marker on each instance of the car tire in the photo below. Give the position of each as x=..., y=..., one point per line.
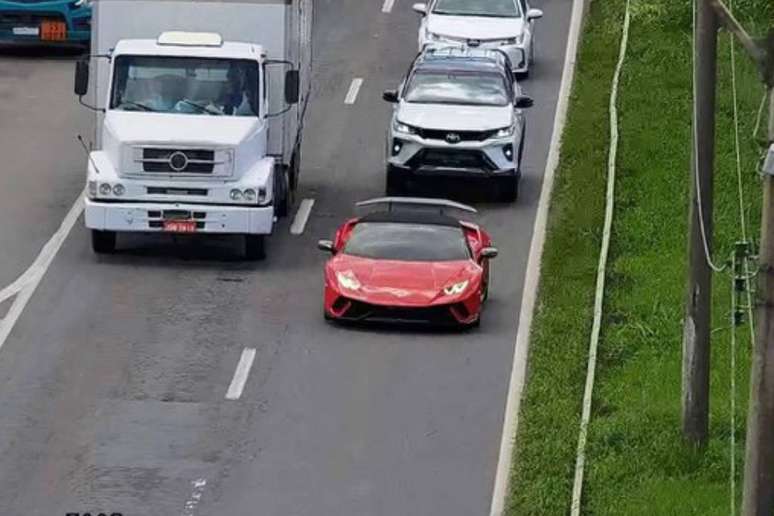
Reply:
x=103, y=242
x=255, y=247
x=395, y=185
x=508, y=189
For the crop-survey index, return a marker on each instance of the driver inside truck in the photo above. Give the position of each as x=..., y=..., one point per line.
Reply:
x=240, y=93
x=162, y=94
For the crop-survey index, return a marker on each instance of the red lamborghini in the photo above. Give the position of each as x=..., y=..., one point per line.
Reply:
x=409, y=260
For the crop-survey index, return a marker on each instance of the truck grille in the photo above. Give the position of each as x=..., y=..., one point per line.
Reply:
x=456, y=136
x=178, y=161
x=452, y=159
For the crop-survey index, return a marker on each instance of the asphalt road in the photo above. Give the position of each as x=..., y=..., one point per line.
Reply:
x=113, y=381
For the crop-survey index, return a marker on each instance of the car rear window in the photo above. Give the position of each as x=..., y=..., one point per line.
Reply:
x=407, y=242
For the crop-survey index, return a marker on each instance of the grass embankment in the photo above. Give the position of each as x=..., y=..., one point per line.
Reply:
x=637, y=462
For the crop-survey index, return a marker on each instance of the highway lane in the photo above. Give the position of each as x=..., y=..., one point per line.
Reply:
x=113, y=383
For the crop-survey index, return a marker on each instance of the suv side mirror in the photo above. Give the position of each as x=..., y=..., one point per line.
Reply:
x=420, y=8
x=390, y=96
x=489, y=253
x=523, y=101
x=81, y=87
x=534, y=14
x=292, y=87
x=326, y=245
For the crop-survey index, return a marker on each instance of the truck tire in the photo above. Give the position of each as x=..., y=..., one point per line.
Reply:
x=295, y=170
x=255, y=247
x=103, y=242
x=282, y=188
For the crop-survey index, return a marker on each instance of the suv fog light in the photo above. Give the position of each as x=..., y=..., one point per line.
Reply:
x=508, y=151
x=249, y=195
x=105, y=189
x=236, y=195
x=119, y=190
x=397, y=146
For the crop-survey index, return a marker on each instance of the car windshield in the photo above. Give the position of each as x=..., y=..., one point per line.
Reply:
x=495, y=8
x=452, y=87
x=185, y=85
x=407, y=242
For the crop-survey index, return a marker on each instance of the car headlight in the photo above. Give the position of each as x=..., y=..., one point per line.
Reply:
x=347, y=280
x=456, y=289
x=505, y=132
x=400, y=127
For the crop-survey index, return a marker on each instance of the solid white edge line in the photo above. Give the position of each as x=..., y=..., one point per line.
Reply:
x=532, y=278
x=599, y=297
x=302, y=216
x=28, y=283
x=388, y=4
x=240, y=375
x=353, y=91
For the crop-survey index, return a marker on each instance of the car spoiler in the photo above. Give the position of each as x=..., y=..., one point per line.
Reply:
x=395, y=203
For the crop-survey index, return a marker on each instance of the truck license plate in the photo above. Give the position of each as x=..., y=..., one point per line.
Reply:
x=26, y=31
x=180, y=226
x=53, y=30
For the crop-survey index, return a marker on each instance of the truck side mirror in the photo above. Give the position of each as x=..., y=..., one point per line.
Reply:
x=81, y=77
x=292, y=87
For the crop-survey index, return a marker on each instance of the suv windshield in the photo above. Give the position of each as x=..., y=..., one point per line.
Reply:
x=407, y=242
x=496, y=8
x=186, y=85
x=455, y=87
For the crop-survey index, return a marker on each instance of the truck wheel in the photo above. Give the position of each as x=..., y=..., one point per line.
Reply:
x=395, y=184
x=282, y=200
x=255, y=247
x=295, y=170
x=103, y=242
x=508, y=189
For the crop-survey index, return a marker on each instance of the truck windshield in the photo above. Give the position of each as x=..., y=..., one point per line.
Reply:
x=185, y=85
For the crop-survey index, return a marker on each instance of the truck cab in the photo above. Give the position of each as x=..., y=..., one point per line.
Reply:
x=184, y=139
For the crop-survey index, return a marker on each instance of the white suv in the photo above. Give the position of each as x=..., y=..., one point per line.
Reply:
x=458, y=113
x=507, y=25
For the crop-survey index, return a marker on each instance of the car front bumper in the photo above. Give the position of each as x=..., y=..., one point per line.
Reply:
x=150, y=217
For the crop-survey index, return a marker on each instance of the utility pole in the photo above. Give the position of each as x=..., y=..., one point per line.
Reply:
x=696, y=324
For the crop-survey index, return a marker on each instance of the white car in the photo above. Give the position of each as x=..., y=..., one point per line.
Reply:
x=457, y=114
x=507, y=25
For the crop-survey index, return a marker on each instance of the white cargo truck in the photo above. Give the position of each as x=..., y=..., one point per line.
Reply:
x=200, y=112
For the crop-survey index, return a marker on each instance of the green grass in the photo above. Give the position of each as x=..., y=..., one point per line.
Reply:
x=637, y=461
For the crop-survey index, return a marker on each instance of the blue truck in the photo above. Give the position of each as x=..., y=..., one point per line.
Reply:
x=55, y=22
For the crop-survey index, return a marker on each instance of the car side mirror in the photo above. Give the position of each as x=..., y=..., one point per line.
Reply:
x=292, y=87
x=420, y=8
x=523, y=101
x=489, y=253
x=326, y=245
x=81, y=87
x=390, y=96
x=534, y=14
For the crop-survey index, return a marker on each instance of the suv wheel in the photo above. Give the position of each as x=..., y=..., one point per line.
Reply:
x=395, y=184
x=508, y=188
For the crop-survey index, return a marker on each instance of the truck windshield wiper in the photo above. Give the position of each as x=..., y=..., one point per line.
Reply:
x=138, y=105
x=202, y=109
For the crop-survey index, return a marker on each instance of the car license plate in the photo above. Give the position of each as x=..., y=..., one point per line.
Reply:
x=26, y=31
x=180, y=226
x=53, y=30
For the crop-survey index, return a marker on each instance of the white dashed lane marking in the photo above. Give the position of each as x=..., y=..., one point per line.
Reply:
x=240, y=375
x=302, y=216
x=388, y=4
x=354, y=89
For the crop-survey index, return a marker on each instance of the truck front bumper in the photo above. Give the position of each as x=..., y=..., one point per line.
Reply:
x=150, y=217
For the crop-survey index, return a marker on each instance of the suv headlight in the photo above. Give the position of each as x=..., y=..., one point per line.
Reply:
x=518, y=40
x=400, y=127
x=505, y=132
x=456, y=289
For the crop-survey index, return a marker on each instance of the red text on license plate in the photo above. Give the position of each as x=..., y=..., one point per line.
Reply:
x=180, y=226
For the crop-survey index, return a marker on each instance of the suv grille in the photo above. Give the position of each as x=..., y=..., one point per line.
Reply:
x=455, y=136
x=452, y=158
x=178, y=161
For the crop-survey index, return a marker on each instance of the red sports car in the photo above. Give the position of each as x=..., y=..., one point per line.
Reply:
x=409, y=260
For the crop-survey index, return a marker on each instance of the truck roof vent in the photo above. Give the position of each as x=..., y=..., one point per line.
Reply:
x=191, y=39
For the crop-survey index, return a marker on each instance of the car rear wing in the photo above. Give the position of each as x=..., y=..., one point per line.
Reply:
x=441, y=206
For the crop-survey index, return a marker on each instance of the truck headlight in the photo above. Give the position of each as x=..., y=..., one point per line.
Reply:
x=235, y=195
x=105, y=189
x=119, y=190
x=249, y=195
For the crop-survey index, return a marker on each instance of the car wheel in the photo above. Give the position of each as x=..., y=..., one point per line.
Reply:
x=508, y=188
x=395, y=185
x=255, y=247
x=103, y=242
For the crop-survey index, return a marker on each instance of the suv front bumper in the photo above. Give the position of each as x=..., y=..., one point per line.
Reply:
x=149, y=217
